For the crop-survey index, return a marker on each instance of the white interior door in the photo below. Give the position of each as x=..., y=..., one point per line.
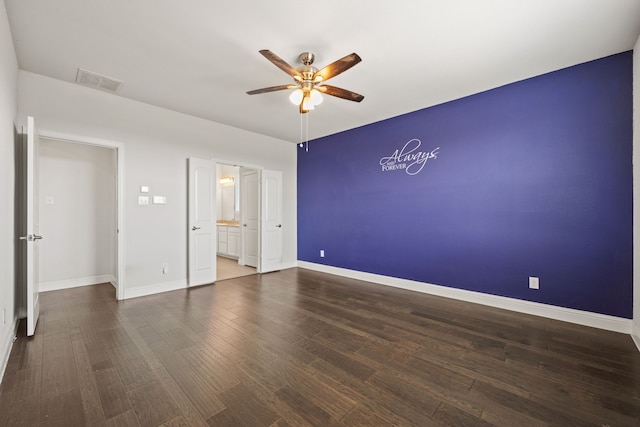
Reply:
x=250, y=216
x=202, y=227
x=33, y=228
x=271, y=214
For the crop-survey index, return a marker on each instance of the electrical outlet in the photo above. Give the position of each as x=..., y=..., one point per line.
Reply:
x=165, y=268
x=321, y=253
x=534, y=283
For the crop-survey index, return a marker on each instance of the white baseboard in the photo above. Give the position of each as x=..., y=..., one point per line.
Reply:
x=287, y=265
x=7, y=345
x=586, y=318
x=75, y=283
x=156, y=288
x=635, y=334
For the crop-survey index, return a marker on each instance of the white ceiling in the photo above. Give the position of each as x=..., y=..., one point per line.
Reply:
x=199, y=57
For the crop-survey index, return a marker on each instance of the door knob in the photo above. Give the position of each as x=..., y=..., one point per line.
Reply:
x=244, y=225
x=279, y=225
x=194, y=228
x=36, y=237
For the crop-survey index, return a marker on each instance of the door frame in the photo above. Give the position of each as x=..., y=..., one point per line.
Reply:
x=120, y=231
x=258, y=168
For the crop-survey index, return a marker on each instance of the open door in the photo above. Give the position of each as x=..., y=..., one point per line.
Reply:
x=202, y=227
x=250, y=216
x=271, y=215
x=32, y=227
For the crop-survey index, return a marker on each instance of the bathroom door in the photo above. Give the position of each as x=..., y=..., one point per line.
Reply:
x=250, y=216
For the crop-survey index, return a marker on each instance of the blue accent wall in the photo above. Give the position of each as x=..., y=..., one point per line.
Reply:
x=529, y=179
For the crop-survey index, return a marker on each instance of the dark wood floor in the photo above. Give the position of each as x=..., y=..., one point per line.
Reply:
x=299, y=347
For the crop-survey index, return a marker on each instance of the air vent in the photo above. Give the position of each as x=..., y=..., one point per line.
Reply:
x=97, y=81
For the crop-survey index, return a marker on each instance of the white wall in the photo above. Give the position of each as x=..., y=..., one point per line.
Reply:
x=77, y=214
x=157, y=144
x=8, y=107
x=636, y=193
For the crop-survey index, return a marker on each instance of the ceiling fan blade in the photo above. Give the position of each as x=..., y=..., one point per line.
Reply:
x=337, y=67
x=340, y=93
x=271, y=89
x=282, y=64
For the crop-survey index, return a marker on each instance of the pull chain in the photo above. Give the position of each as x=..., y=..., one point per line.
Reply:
x=304, y=141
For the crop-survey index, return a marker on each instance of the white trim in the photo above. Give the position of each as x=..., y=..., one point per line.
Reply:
x=635, y=334
x=156, y=288
x=8, y=345
x=75, y=283
x=237, y=163
x=595, y=320
x=119, y=147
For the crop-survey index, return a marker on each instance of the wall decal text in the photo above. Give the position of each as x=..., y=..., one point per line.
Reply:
x=408, y=158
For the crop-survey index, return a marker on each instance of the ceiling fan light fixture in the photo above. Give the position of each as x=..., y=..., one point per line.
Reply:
x=307, y=104
x=316, y=97
x=296, y=96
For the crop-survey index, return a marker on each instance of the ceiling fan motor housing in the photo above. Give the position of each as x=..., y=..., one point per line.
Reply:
x=306, y=58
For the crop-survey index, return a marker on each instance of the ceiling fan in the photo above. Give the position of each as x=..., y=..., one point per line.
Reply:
x=309, y=81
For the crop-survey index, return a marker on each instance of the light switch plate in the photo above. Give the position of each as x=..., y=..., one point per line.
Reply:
x=144, y=188
x=143, y=200
x=159, y=200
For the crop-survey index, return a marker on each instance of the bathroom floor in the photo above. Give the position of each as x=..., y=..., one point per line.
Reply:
x=228, y=268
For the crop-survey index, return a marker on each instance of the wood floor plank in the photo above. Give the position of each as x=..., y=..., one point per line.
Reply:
x=361, y=416
x=178, y=421
x=450, y=415
x=112, y=393
x=132, y=367
x=86, y=380
x=384, y=403
x=312, y=413
x=22, y=384
x=246, y=407
x=64, y=409
x=224, y=419
x=188, y=411
x=125, y=419
x=19, y=412
x=59, y=373
x=201, y=392
x=500, y=397
x=218, y=374
x=152, y=404
x=272, y=371
x=341, y=361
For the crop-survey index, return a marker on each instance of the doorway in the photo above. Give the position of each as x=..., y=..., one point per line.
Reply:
x=115, y=220
x=235, y=200
x=262, y=250
x=77, y=212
